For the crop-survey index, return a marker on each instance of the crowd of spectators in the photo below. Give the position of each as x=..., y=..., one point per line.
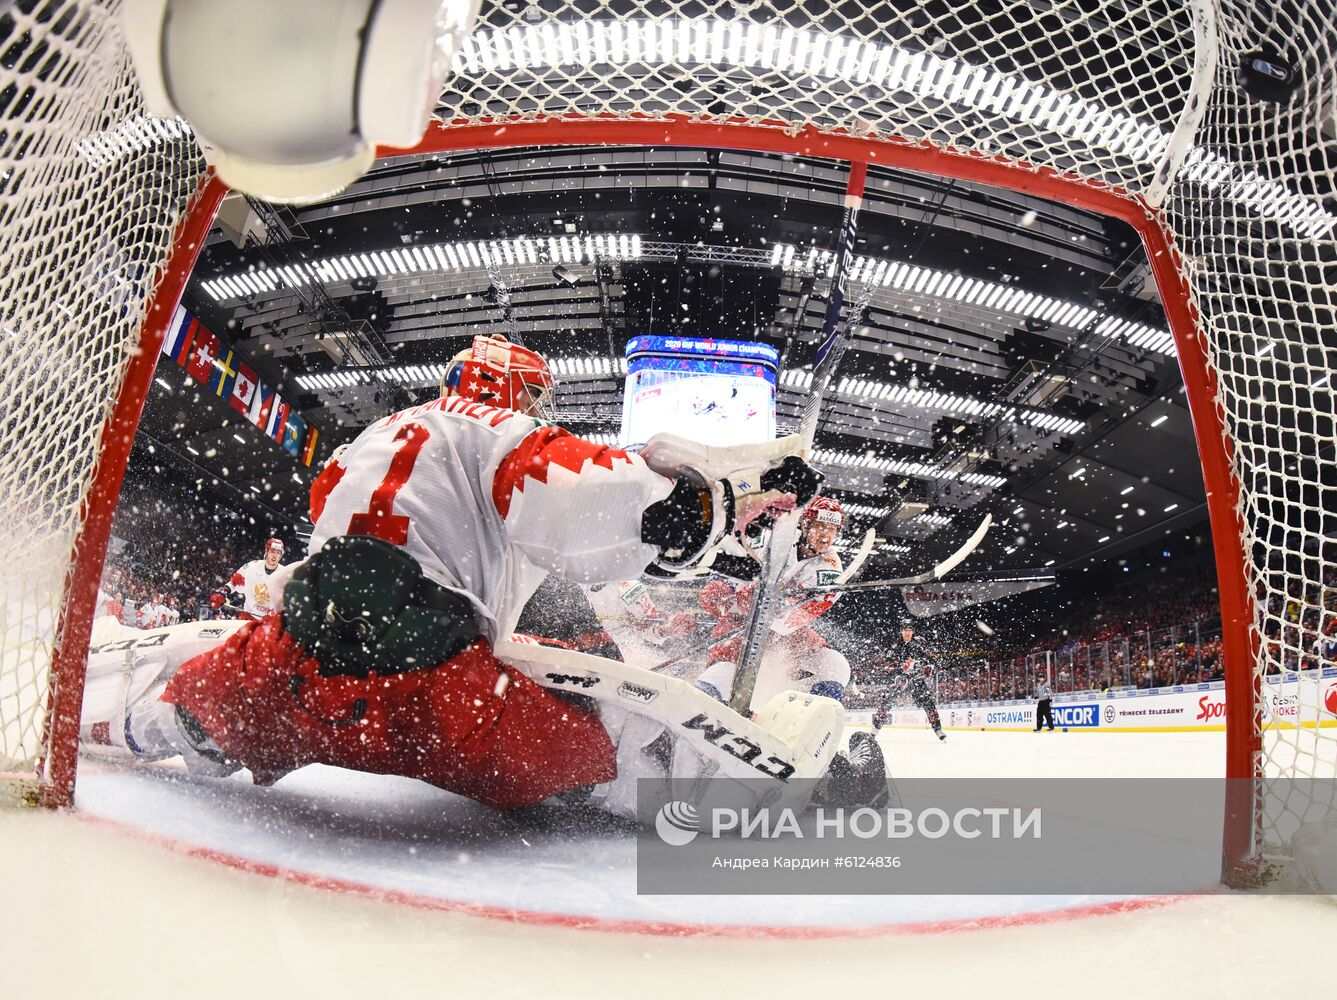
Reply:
x=166, y=558
x=1300, y=629
x=1152, y=635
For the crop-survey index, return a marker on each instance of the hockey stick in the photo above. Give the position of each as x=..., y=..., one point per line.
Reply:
x=835, y=338
x=856, y=564
x=936, y=573
x=714, y=641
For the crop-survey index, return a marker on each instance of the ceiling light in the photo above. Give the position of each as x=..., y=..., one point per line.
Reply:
x=1160, y=420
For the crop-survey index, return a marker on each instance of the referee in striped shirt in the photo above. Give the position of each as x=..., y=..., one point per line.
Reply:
x=1044, y=710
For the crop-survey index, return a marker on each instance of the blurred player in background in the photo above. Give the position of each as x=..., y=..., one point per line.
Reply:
x=796, y=657
x=644, y=634
x=152, y=613
x=250, y=592
x=909, y=665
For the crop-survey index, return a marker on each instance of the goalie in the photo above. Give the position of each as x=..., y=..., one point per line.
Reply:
x=389, y=651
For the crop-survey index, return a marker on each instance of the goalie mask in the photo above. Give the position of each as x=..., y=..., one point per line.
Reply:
x=498, y=373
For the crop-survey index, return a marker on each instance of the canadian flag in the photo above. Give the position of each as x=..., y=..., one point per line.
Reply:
x=243, y=389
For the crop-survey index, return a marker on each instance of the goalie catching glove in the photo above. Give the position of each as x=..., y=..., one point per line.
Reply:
x=719, y=493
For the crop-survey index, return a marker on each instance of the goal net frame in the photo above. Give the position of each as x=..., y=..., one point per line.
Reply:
x=1200, y=386
x=53, y=782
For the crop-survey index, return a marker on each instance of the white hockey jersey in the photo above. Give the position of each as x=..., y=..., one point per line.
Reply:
x=815, y=571
x=489, y=502
x=257, y=588
x=628, y=613
x=731, y=601
x=801, y=660
x=151, y=615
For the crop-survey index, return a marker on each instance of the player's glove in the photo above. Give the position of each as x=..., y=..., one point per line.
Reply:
x=217, y=599
x=719, y=491
x=793, y=475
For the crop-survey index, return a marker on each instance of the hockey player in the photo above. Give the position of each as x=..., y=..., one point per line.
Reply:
x=152, y=613
x=910, y=666
x=797, y=657
x=430, y=534
x=251, y=588
x=642, y=632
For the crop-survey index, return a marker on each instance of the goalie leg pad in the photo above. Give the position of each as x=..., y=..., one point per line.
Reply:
x=127, y=669
x=666, y=729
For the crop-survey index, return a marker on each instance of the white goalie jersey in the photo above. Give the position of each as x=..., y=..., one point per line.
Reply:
x=490, y=501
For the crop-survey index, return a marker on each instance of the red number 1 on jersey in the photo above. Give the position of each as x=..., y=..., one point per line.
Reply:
x=380, y=519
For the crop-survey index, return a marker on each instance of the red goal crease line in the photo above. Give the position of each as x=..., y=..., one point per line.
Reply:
x=629, y=925
x=1242, y=691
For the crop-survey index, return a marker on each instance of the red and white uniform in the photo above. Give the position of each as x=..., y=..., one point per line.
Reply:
x=151, y=615
x=796, y=657
x=488, y=501
x=257, y=588
x=635, y=623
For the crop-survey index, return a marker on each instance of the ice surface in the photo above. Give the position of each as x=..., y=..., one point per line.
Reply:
x=407, y=837
x=103, y=910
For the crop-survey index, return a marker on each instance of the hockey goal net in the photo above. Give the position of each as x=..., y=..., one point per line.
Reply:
x=1129, y=108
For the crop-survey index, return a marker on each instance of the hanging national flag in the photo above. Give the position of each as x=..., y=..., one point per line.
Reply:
x=293, y=433
x=223, y=374
x=278, y=418
x=200, y=363
x=243, y=389
x=180, y=333
x=261, y=402
x=309, y=449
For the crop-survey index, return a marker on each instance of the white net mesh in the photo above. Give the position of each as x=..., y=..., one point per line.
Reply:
x=1263, y=271
x=1090, y=87
x=1137, y=97
x=90, y=193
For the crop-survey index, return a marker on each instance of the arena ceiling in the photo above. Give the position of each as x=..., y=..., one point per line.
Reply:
x=1013, y=356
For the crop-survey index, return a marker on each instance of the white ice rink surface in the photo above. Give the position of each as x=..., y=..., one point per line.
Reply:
x=114, y=895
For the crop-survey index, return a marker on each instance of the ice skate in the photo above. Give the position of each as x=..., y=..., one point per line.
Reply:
x=857, y=777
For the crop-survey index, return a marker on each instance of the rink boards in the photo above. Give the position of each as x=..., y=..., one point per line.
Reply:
x=1291, y=702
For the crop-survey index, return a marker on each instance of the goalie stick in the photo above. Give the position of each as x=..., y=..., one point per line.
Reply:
x=831, y=348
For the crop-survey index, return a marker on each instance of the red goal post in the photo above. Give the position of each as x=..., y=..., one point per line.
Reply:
x=1170, y=203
